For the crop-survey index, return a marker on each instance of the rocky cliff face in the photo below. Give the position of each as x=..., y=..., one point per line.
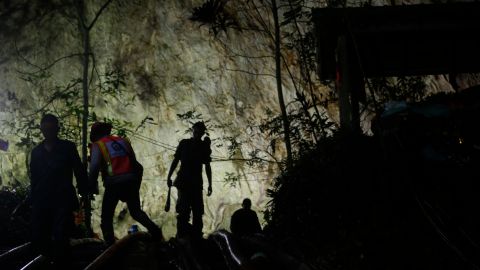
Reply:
x=170, y=66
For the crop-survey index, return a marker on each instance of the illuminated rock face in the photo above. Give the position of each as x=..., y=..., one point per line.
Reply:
x=172, y=66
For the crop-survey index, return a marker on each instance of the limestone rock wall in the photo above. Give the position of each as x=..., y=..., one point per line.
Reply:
x=171, y=66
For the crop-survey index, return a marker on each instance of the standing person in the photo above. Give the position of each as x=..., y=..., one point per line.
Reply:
x=53, y=197
x=193, y=153
x=245, y=221
x=122, y=177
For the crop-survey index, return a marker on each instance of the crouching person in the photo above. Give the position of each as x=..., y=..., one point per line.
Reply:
x=122, y=176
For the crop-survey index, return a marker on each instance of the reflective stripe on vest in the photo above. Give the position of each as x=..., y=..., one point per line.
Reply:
x=106, y=157
x=115, y=152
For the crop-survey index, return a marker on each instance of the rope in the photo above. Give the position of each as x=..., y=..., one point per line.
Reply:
x=219, y=181
x=156, y=177
x=166, y=146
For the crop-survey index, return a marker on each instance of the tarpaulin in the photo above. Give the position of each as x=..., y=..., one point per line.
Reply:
x=3, y=145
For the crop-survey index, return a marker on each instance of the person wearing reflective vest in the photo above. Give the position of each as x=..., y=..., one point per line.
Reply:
x=122, y=176
x=116, y=153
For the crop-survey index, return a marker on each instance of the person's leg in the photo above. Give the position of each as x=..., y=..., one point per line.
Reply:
x=62, y=229
x=133, y=203
x=41, y=223
x=183, y=213
x=110, y=200
x=197, y=212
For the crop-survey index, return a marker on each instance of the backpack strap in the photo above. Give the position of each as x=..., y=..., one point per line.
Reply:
x=106, y=156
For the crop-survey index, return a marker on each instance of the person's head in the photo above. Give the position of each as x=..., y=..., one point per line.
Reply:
x=199, y=129
x=99, y=130
x=49, y=126
x=247, y=203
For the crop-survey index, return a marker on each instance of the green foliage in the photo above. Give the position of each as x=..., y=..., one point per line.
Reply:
x=231, y=179
x=410, y=89
x=302, y=129
x=120, y=127
x=308, y=201
x=299, y=38
x=112, y=82
x=214, y=14
x=232, y=143
x=28, y=130
x=17, y=15
x=144, y=122
x=366, y=202
x=14, y=225
x=309, y=122
x=190, y=117
x=66, y=102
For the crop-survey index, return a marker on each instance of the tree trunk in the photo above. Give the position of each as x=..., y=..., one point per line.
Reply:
x=278, y=75
x=85, y=64
x=85, y=32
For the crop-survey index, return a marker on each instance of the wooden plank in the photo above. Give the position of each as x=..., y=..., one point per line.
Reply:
x=402, y=40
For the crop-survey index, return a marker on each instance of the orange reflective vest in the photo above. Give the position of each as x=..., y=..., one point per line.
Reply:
x=116, y=152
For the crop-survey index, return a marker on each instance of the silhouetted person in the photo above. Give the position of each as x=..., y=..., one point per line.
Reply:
x=245, y=221
x=52, y=166
x=193, y=153
x=122, y=177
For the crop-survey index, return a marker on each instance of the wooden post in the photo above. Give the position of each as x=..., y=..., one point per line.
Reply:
x=351, y=85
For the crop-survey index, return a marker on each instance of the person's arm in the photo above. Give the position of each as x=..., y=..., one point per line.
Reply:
x=175, y=161
x=208, y=170
x=258, y=227
x=80, y=172
x=95, y=163
x=33, y=169
x=172, y=169
x=137, y=165
x=33, y=173
x=233, y=223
